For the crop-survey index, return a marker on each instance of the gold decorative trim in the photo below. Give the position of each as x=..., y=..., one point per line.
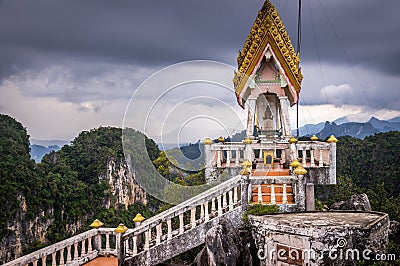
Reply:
x=268, y=28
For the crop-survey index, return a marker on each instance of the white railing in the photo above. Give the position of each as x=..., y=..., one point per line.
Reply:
x=76, y=250
x=232, y=154
x=319, y=153
x=181, y=218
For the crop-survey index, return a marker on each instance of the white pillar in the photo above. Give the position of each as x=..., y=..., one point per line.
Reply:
x=75, y=250
x=169, y=226
x=237, y=158
x=321, y=162
x=213, y=209
x=284, y=194
x=259, y=195
x=235, y=195
x=134, y=251
x=273, y=198
x=228, y=158
x=283, y=101
x=219, y=199
x=193, y=217
x=230, y=199
x=62, y=261
x=206, y=216
x=224, y=203
x=219, y=158
x=304, y=163
x=158, y=233
x=251, y=106
x=146, y=240
x=181, y=224
x=312, y=158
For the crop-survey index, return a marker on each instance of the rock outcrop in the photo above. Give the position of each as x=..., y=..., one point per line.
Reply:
x=124, y=189
x=357, y=202
x=223, y=246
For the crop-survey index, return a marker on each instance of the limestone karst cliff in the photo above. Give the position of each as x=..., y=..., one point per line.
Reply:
x=46, y=202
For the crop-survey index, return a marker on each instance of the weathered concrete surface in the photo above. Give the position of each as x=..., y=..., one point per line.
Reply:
x=182, y=243
x=319, y=236
x=223, y=246
x=357, y=202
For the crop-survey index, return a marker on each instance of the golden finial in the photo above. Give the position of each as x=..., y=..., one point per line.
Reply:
x=300, y=170
x=332, y=139
x=96, y=224
x=314, y=138
x=121, y=229
x=207, y=141
x=247, y=141
x=295, y=163
x=292, y=140
x=246, y=167
x=138, y=218
x=221, y=139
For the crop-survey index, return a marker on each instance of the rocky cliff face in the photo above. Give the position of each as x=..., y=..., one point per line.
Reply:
x=23, y=232
x=124, y=189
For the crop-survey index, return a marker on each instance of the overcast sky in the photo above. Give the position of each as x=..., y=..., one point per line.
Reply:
x=68, y=66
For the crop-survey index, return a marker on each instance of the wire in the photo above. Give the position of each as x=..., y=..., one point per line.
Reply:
x=345, y=53
x=298, y=52
x=318, y=54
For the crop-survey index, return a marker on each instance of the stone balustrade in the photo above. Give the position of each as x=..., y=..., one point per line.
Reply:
x=76, y=250
x=181, y=219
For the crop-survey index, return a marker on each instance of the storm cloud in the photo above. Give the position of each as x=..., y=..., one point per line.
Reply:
x=91, y=55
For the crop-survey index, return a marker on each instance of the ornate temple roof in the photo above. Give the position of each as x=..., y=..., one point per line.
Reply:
x=267, y=32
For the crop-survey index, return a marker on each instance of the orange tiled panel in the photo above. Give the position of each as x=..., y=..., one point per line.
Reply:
x=266, y=193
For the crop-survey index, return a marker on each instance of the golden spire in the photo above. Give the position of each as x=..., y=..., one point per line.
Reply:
x=267, y=29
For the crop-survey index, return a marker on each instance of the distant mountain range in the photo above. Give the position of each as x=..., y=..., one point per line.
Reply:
x=40, y=148
x=343, y=127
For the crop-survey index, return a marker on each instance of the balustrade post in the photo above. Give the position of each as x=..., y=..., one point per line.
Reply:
x=83, y=247
x=237, y=158
x=35, y=262
x=259, y=194
x=44, y=260
x=260, y=156
x=230, y=200
x=158, y=233
x=181, y=224
x=206, y=216
x=169, y=228
x=332, y=159
x=146, y=240
x=53, y=259
x=219, y=158
x=219, y=199
x=312, y=163
x=273, y=198
x=69, y=259
x=193, y=217
x=284, y=194
x=201, y=211
x=321, y=160
x=62, y=261
x=235, y=195
x=107, y=242
x=135, y=249
x=303, y=160
x=76, y=251
x=213, y=209
x=90, y=245
x=224, y=203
